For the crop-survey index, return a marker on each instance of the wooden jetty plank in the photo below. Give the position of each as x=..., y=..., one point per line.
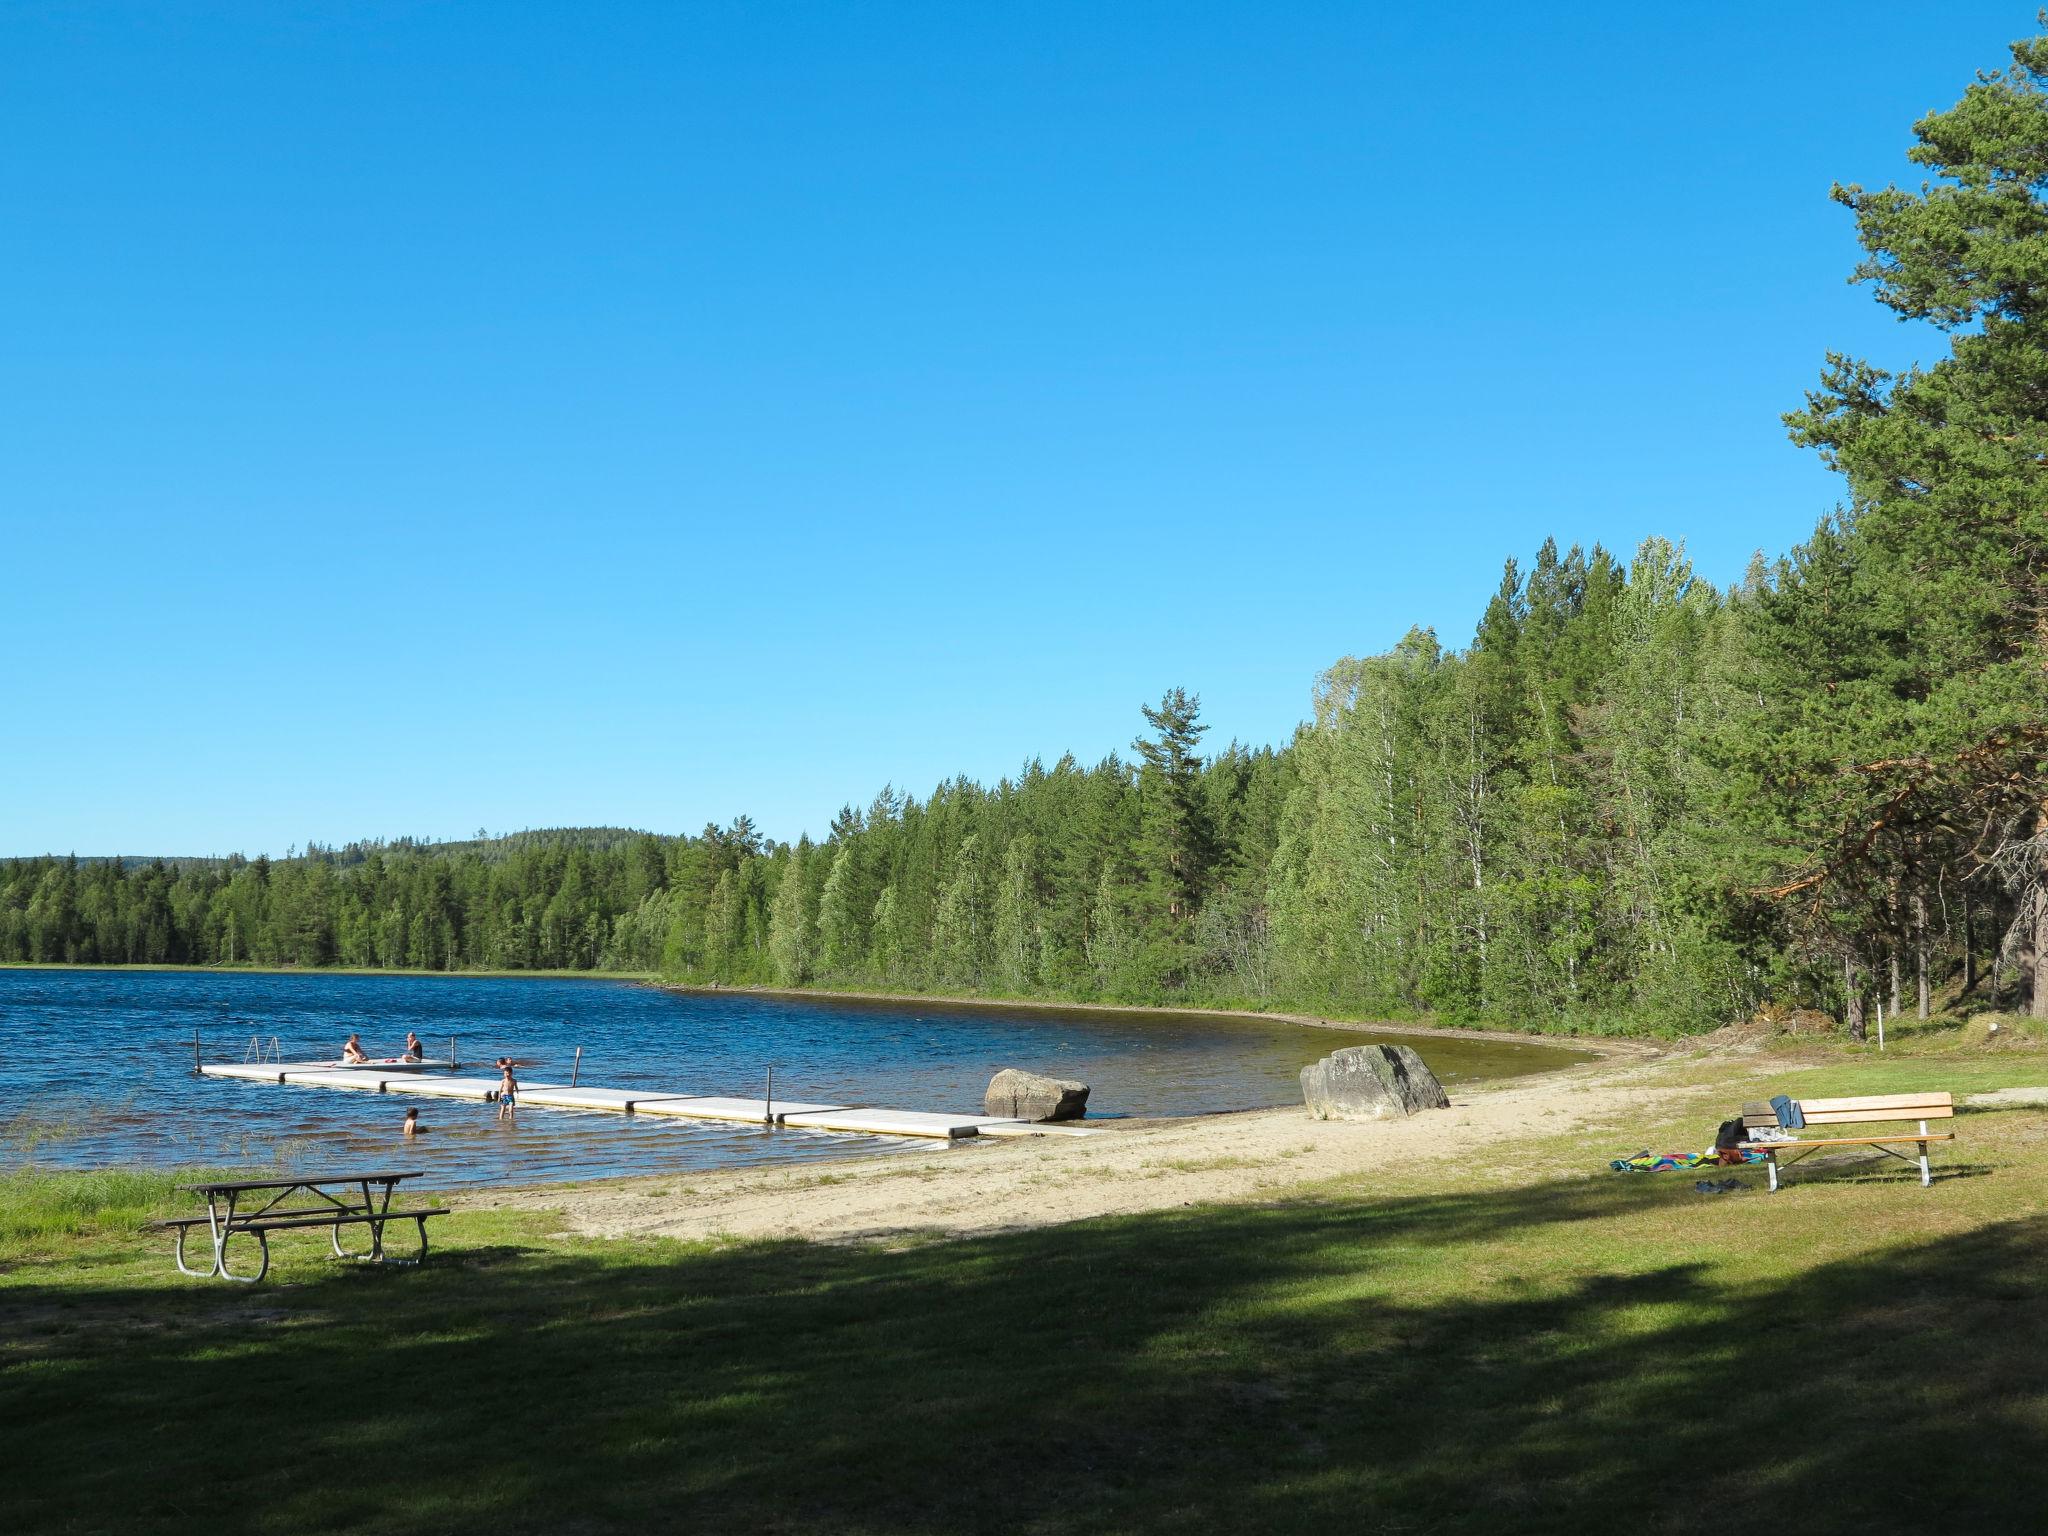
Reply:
x=624, y=1100
x=887, y=1122
x=707, y=1107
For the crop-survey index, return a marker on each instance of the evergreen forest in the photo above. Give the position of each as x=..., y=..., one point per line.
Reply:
x=1630, y=801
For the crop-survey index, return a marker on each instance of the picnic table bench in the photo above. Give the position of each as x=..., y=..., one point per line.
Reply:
x=355, y=1206
x=1873, y=1109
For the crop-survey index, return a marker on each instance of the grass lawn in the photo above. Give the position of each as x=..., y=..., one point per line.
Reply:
x=1536, y=1345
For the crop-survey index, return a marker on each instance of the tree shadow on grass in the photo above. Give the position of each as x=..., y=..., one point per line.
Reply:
x=1472, y=1362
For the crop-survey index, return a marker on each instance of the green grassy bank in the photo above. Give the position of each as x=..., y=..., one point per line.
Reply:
x=1529, y=1344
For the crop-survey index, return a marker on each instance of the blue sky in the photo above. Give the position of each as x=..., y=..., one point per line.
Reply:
x=418, y=418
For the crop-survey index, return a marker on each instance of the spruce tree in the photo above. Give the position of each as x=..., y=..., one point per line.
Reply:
x=1179, y=846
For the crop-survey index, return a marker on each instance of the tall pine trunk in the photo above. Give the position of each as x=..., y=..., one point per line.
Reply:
x=2040, y=1007
x=1852, y=989
x=1969, y=945
x=1920, y=946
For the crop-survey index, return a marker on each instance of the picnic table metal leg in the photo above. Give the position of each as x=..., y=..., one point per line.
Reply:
x=1771, y=1166
x=218, y=1226
x=262, y=1269
x=418, y=1258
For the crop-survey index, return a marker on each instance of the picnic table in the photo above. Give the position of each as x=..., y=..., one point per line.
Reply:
x=331, y=1200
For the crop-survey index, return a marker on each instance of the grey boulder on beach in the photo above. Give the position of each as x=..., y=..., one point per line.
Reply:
x=1371, y=1082
x=1017, y=1095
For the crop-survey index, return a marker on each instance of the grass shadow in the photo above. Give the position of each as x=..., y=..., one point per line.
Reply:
x=1576, y=1356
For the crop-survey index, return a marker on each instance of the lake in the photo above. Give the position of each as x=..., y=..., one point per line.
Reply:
x=96, y=1068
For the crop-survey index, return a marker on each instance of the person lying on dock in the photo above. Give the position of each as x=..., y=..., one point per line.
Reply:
x=414, y=1051
x=508, y=1089
x=353, y=1052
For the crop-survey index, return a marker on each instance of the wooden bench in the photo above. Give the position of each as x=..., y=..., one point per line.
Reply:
x=1873, y=1109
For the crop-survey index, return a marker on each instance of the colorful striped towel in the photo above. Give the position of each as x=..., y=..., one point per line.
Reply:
x=1655, y=1162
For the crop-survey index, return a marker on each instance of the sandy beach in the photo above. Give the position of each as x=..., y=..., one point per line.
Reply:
x=1126, y=1167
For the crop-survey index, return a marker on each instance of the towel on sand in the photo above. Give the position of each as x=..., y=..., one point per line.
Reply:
x=1664, y=1162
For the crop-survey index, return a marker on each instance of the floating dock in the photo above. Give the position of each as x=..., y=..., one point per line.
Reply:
x=797, y=1115
x=894, y=1122
x=746, y=1111
x=483, y=1090
x=279, y=1071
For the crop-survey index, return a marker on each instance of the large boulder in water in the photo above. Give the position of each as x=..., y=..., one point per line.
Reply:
x=1371, y=1082
x=1015, y=1095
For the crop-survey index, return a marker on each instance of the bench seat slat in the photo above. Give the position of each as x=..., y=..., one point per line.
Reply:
x=356, y=1219
x=1842, y=1141
x=293, y=1219
x=1876, y=1116
x=1900, y=1101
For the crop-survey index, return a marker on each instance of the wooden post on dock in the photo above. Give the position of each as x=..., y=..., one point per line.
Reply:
x=452, y=1062
x=577, y=1068
x=768, y=1103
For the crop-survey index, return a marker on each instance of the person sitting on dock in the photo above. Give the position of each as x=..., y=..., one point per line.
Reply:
x=414, y=1051
x=508, y=1089
x=353, y=1052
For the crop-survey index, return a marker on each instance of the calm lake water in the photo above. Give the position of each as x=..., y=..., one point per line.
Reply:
x=96, y=1068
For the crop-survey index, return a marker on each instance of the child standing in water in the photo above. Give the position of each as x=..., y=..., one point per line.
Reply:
x=508, y=1089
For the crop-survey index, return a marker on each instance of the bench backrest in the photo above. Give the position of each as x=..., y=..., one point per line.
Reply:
x=1883, y=1106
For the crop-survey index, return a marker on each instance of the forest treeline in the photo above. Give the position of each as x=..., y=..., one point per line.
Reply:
x=1630, y=801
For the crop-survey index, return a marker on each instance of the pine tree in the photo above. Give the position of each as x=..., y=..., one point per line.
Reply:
x=1178, y=849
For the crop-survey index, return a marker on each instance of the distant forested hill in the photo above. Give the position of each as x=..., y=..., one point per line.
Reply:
x=1629, y=801
x=599, y=839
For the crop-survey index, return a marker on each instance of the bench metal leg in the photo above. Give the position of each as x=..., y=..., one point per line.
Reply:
x=220, y=1229
x=220, y=1269
x=369, y=1255
x=186, y=1269
x=1926, y=1178
x=418, y=1258
x=375, y=1253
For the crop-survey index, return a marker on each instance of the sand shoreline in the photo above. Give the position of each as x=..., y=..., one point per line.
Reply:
x=1131, y=1167
x=1604, y=1045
